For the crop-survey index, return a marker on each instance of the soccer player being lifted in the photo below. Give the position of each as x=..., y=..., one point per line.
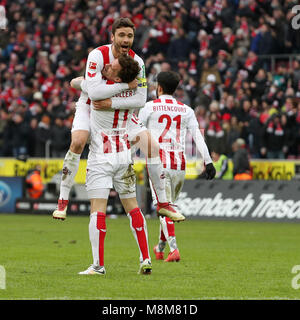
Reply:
x=119, y=100
x=168, y=120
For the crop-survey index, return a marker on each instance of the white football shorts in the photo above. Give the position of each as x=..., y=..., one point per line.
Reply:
x=81, y=119
x=109, y=174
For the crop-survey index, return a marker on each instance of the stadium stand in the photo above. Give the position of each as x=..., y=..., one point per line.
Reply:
x=239, y=61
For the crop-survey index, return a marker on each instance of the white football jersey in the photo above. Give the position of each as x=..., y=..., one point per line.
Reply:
x=168, y=120
x=109, y=127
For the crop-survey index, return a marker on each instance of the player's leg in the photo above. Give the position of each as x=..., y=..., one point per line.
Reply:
x=138, y=227
x=159, y=249
x=79, y=137
x=163, y=231
x=97, y=232
x=69, y=171
x=124, y=183
x=175, y=182
x=139, y=136
x=96, y=178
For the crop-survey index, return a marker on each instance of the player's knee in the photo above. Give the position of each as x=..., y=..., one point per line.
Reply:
x=148, y=144
x=153, y=146
x=77, y=144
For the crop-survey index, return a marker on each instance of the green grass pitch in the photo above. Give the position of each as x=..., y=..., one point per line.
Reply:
x=220, y=260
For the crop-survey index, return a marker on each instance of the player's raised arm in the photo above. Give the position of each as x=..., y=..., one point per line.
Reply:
x=93, y=84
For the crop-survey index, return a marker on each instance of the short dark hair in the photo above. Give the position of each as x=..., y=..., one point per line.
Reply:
x=122, y=23
x=130, y=68
x=169, y=81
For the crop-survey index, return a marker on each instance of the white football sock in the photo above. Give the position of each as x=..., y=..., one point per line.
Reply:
x=69, y=171
x=167, y=226
x=97, y=233
x=157, y=177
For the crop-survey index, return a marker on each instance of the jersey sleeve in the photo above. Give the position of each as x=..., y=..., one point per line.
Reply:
x=144, y=114
x=139, y=97
x=93, y=84
x=193, y=127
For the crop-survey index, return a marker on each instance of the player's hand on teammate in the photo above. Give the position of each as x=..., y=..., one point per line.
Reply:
x=75, y=83
x=102, y=104
x=210, y=171
x=133, y=84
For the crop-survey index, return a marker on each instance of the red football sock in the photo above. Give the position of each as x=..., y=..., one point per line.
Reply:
x=139, y=229
x=97, y=232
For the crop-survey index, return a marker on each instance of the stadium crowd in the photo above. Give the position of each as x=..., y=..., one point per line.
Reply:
x=220, y=48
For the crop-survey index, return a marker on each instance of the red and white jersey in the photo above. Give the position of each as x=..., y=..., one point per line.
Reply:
x=109, y=128
x=168, y=120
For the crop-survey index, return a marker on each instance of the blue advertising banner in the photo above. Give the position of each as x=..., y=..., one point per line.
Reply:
x=11, y=188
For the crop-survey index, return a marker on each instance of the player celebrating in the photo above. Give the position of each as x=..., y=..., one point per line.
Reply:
x=120, y=106
x=109, y=165
x=168, y=120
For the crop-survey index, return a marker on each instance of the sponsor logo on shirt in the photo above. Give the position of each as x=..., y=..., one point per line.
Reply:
x=92, y=65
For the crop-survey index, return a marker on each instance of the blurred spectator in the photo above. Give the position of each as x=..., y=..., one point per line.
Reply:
x=240, y=159
x=214, y=133
x=34, y=185
x=179, y=47
x=233, y=132
x=280, y=78
x=60, y=137
x=19, y=136
x=43, y=135
x=210, y=91
x=221, y=164
x=275, y=143
x=32, y=136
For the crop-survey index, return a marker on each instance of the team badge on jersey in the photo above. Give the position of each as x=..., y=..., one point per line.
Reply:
x=91, y=75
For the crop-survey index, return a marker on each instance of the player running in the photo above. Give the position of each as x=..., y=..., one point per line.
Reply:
x=124, y=100
x=168, y=121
